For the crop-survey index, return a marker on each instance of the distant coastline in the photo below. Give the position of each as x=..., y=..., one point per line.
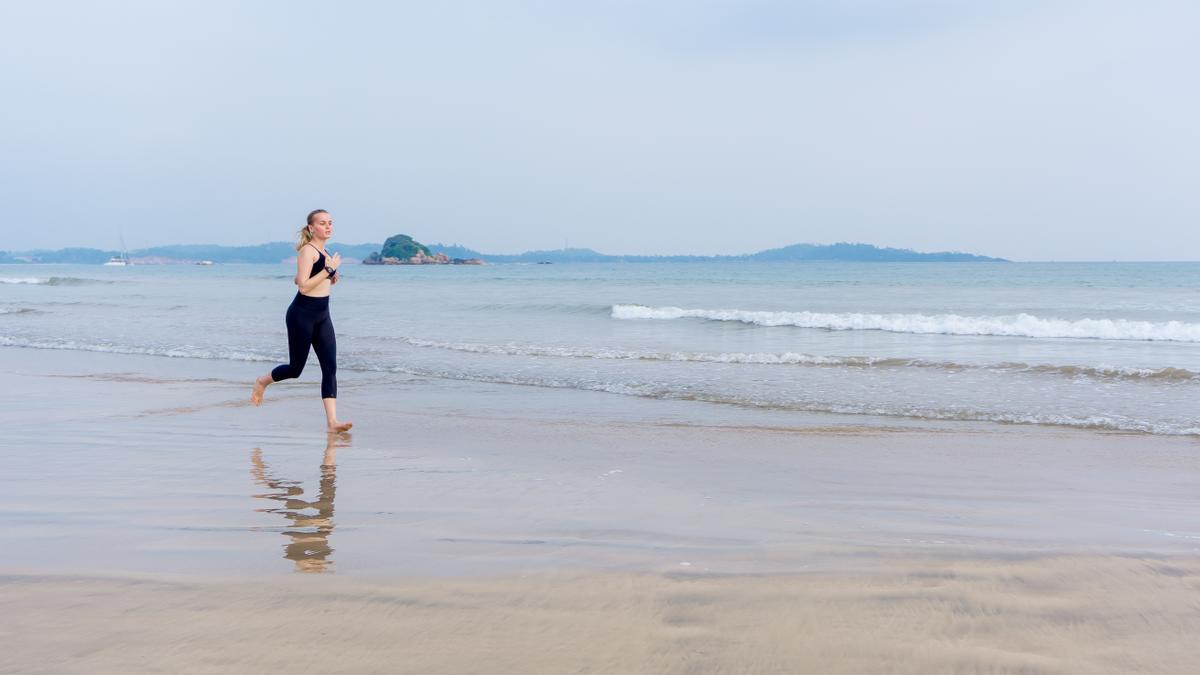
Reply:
x=276, y=252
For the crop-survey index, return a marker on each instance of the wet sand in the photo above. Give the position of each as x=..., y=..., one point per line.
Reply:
x=155, y=523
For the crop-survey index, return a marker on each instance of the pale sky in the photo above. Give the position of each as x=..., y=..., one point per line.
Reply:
x=1028, y=130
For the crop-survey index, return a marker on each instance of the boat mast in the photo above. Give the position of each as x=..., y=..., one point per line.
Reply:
x=124, y=253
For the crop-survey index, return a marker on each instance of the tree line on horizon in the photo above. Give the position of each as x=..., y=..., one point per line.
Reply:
x=275, y=252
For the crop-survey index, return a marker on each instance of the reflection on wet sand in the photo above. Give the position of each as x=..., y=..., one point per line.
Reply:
x=309, y=548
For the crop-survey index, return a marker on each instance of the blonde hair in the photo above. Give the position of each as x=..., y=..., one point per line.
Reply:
x=305, y=233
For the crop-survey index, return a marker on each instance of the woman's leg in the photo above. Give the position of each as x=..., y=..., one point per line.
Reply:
x=300, y=330
x=324, y=342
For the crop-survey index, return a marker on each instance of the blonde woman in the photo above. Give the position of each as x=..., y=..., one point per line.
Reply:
x=308, y=320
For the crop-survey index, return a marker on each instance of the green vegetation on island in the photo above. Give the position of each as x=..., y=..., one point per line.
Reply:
x=401, y=249
x=403, y=246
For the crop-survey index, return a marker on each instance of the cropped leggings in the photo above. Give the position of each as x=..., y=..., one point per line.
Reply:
x=308, y=323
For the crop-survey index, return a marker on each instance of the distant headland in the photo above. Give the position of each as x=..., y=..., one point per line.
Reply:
x=404, y=250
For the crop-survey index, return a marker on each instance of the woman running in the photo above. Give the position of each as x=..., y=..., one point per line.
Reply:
x=308, y=321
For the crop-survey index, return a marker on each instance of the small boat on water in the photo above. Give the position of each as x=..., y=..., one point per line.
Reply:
x=120, y=260
x=204, y=262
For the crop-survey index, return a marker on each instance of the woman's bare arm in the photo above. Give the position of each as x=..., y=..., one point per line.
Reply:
x=304, y=263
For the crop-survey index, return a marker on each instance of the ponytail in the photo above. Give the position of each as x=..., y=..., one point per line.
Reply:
x=305, y=233
x=305, y=237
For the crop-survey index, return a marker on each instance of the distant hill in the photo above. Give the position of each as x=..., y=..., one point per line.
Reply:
x=273, y=252
x=864, y=253
x=562, y=255
x=81, y=256
x=455, y=251
x=276, y=252
x=797, y=252
x=262, y=253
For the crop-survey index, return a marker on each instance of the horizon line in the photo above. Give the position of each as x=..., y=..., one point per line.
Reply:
x=625, y=255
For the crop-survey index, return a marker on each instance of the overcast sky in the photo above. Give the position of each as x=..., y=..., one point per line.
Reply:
x=1029, y=130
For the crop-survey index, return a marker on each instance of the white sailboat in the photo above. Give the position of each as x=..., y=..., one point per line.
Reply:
x=121, y=260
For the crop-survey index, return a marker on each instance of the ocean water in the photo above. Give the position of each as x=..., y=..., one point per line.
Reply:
x=1112, y=346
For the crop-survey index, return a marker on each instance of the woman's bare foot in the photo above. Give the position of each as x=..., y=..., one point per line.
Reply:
x=339, y=427
x=260, y=386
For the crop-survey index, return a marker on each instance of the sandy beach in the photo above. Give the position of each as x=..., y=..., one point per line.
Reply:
x=156, y=523
x=1047, y=615
x=677, y=338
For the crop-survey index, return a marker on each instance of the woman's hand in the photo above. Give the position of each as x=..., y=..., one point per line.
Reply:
x=334, y=261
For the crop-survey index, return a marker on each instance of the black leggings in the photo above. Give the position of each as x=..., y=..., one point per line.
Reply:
x=308, y=323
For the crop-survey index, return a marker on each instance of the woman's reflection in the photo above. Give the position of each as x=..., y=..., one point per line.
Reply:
x=309, y=532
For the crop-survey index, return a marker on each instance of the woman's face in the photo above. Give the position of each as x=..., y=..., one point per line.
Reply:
x=322, y=226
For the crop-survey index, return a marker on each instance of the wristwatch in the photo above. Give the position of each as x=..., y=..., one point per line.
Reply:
x=330, y=271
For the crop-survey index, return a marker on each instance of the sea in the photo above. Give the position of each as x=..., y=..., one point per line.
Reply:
x=1106, y=346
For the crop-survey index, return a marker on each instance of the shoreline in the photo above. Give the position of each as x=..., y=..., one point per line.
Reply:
x=821, y=416
x=453, y=478
x=156, y=521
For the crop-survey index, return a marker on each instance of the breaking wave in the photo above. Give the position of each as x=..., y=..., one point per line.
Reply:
x=1016, y=325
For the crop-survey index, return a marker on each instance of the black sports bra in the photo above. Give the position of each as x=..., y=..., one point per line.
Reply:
x=319, y=265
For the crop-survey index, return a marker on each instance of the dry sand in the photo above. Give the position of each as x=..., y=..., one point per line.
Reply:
x=1060, y=615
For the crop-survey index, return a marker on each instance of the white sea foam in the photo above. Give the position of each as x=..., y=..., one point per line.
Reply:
x=655, y=390
x=173, y=352
x=800, y=359
x=749, y=358
x=785, y=358
x=51, y=281
x=660, y=391
x=1017, y=325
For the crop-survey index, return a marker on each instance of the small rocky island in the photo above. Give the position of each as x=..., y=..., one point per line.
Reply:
x=402, y=249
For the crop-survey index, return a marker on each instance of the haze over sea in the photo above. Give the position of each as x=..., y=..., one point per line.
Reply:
x=1110, y=346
